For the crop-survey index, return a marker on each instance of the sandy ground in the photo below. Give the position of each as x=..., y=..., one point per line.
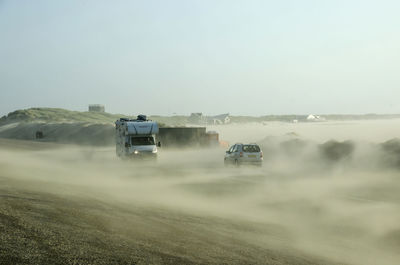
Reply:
x=63, y=204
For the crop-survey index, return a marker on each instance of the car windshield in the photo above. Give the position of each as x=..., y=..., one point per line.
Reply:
x=143, y=140
x=251, y=148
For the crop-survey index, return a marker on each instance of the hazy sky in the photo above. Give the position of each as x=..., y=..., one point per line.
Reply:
x=182, y=56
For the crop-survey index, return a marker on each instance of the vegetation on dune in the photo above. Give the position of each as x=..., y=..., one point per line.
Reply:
x=170, y=121
x=58, y=115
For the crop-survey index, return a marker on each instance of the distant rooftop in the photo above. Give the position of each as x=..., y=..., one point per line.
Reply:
x=96, y=108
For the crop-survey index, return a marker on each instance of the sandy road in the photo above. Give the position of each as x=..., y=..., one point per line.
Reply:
x=46, y=219
x=64, y=204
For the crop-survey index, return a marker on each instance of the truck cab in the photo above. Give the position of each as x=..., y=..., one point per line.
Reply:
x=136, y=138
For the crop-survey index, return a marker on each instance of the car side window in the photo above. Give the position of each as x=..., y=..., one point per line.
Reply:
x=231, y=149
x=236, y=148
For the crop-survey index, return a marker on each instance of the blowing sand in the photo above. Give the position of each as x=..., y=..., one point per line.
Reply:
x=313, y=201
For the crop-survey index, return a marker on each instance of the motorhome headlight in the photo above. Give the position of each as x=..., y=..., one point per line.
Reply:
x=136, y=152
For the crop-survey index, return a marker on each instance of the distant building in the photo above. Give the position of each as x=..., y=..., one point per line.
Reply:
x=96, y=108
x=312, y=117
x=219, y=119
x=197, y=118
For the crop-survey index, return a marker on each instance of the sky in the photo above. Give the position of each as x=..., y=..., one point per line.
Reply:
x=247, y=57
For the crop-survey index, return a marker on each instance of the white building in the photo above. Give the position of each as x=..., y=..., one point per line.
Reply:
x=313, y=117
x=219, y=119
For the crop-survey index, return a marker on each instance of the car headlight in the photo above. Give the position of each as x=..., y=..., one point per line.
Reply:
x=154, y=151
x=136, y=152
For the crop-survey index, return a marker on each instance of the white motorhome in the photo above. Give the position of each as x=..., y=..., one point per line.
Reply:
x=136, y=138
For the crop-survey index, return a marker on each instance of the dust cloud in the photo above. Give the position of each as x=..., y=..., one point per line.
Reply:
x=318, y=199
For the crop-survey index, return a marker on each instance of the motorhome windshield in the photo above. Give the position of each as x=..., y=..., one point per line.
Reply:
x=148, y=140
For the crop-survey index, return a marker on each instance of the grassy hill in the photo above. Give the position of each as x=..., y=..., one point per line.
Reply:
x=66, y=126
x=58, y=115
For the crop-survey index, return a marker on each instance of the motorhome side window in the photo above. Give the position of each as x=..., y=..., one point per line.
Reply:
x=142, y=141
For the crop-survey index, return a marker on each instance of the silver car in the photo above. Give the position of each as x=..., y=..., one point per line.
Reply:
x=244, y=154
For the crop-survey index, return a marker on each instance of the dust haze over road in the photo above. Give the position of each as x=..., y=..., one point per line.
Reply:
x=314, y=201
